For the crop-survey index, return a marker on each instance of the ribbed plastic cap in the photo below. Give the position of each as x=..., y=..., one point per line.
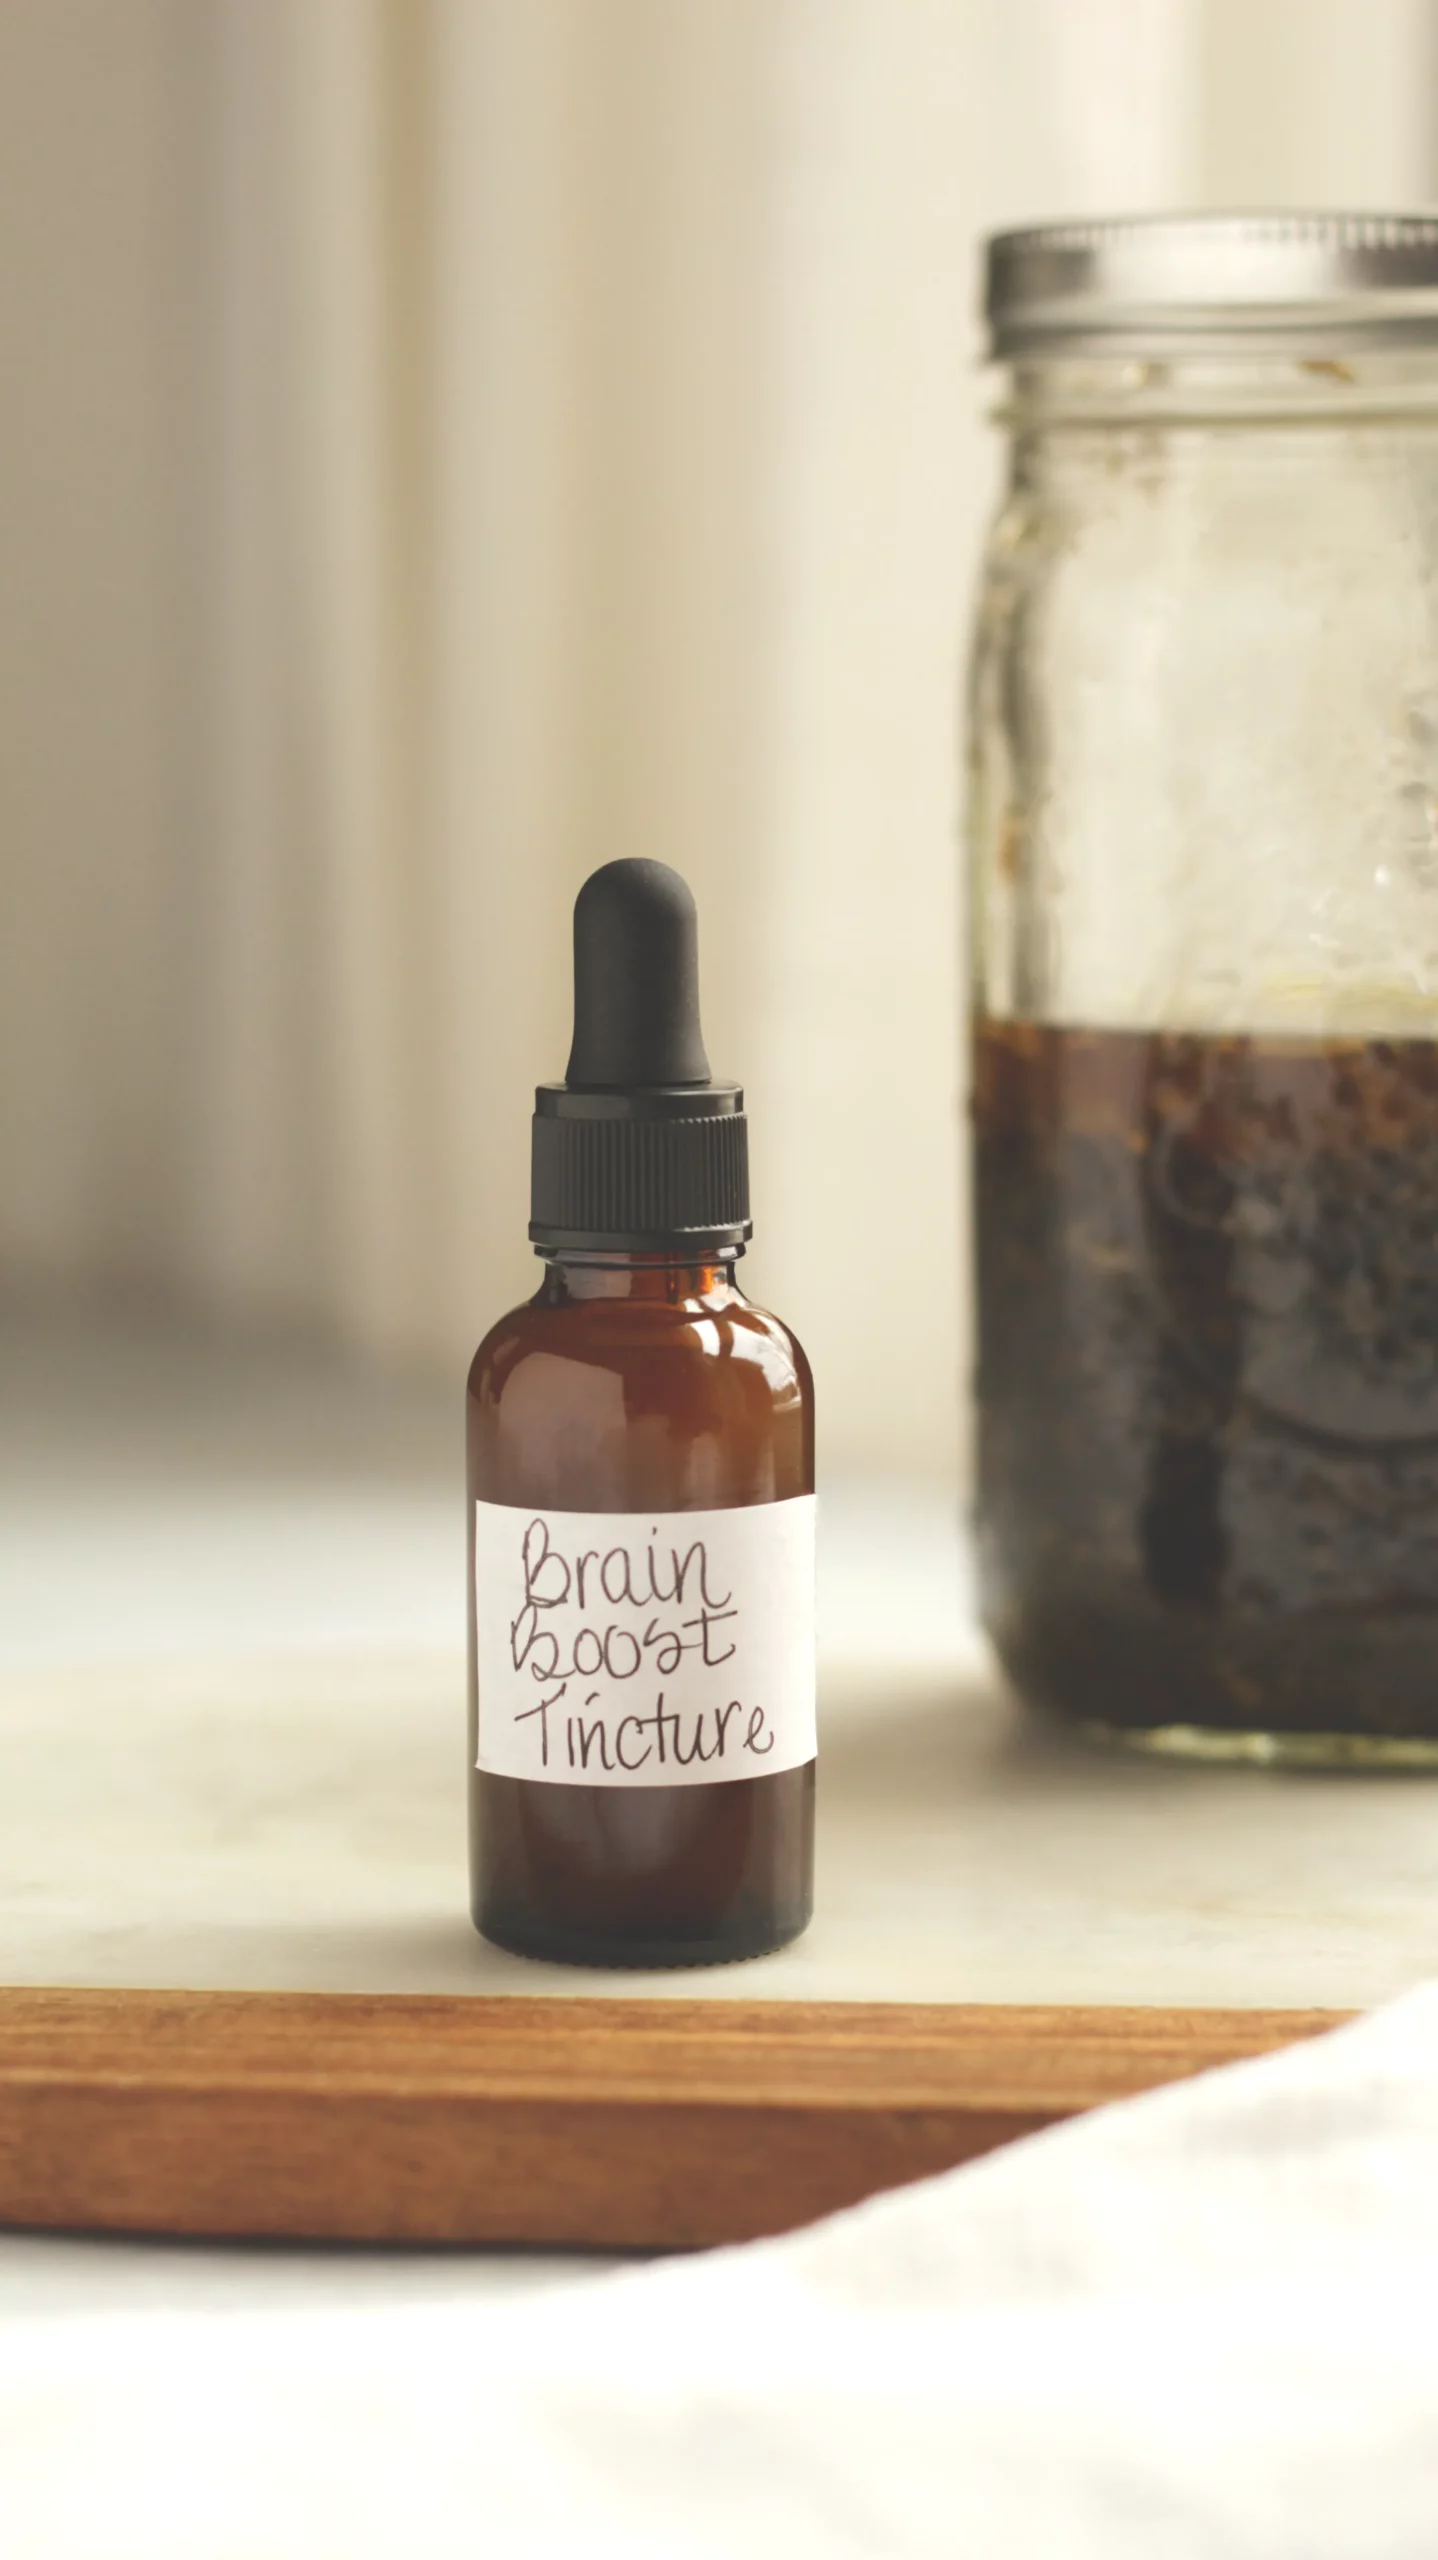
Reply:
x=639, y=1148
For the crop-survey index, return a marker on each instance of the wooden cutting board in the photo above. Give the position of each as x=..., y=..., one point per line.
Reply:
x=637, y=2123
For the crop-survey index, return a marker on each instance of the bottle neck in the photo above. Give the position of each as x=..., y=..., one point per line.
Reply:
x=1282, y=386
x=664, y=1279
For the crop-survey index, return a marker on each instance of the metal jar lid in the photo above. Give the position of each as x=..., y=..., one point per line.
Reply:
x=1245, y=283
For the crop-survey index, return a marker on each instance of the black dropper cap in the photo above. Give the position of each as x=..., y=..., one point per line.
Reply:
x=639, y=1148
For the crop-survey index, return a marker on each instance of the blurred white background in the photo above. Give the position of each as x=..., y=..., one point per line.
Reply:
x=448, y=443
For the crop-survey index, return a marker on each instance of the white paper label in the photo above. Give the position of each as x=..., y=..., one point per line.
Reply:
x=642, y=1648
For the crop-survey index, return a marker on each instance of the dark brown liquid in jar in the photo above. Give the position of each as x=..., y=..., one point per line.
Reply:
x=631, y=1387
x=1208, y=1377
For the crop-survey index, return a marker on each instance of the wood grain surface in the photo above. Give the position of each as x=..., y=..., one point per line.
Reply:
x=647, y=2123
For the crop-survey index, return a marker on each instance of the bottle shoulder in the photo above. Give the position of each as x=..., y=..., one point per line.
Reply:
x=615, y=1404
x=705, y=1335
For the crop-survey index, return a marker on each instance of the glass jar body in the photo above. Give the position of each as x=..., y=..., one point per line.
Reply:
x=1204, y=840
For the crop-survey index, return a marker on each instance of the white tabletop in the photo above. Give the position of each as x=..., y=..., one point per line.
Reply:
x=231, y=1718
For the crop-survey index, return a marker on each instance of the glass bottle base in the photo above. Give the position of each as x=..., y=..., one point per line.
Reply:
x=642, y=1955
x=1376, y=1751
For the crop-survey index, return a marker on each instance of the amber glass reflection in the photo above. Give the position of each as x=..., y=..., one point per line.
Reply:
x=638, y=1385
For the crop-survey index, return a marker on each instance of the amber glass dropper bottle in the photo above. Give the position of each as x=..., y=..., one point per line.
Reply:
x=641, y=1514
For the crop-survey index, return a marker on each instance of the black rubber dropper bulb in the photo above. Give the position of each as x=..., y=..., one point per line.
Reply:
x=636, y=981
x=640, y=1146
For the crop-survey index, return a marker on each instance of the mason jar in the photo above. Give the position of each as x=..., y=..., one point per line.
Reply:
x=1204, y=846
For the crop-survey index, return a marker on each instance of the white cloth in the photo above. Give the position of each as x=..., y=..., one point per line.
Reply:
x=1197, y=2326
